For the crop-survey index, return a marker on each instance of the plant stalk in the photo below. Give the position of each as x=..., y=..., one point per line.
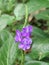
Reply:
x=26, y=16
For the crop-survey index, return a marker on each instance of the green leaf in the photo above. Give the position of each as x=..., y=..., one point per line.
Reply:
x=40, y=46
x=2, y=24
x=7, y=5
x=19, y=11
x=32, y=6
x=6, y=20
x=36, y=63
x=43, y=15
x=43, y=44
x=3, y=37
x=27, y=58
x=39, y=33
x=8, y=50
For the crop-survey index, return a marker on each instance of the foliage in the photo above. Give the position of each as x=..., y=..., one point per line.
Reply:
x=13, y=15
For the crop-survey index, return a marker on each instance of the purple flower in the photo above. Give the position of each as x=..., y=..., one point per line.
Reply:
x=23, y=37
x=29, y=28
x=26, y=40
x=26, y=31
x=25, y=43
x=24, y=46
x=18, y=36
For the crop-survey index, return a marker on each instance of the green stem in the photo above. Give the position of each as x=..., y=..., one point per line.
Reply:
x=23, y=53
x=26, y=16
x=23, y=58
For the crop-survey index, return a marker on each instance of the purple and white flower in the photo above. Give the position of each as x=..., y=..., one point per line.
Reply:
x=23, y=37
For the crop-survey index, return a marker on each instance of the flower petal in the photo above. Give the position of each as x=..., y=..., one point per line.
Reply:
x=26, y=40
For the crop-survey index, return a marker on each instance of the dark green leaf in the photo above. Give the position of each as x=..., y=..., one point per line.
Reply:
x=39, y=33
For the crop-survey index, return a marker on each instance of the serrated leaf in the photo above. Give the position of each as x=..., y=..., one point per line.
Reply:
x=8, y=51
